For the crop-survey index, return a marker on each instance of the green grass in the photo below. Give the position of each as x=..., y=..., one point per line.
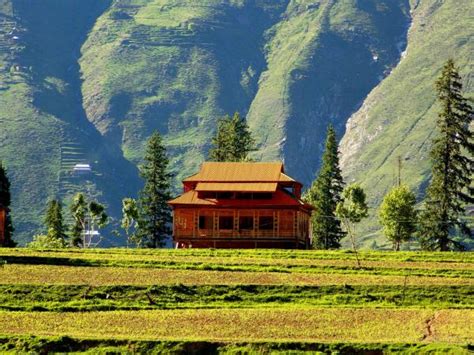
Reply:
x=84, y=298
x=184, y=261
x=73, y=345
x=234, y=301
x=368, y=325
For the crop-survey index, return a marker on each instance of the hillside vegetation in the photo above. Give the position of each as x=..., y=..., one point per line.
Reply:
x=235, y=300
x=94, y=91
x=398, y=118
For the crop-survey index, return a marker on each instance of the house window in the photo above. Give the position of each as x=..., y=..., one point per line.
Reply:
x=205, y=222
x=224, y=195
x=244, y=195
x=262, y=196
x=265, y=223
x=206, y=194
x=246, y=223
x=226, y=222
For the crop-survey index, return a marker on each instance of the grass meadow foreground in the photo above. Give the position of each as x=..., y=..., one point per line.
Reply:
x=235, y=301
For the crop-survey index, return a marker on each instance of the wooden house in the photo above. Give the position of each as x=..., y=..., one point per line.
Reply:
x=3, y=224
x=241, y=205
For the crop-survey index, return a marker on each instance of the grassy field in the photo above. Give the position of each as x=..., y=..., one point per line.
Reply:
x=231, y=301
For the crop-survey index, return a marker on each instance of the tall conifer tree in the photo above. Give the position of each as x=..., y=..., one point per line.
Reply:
x=155, y=214
x=5, y=201
x=324, y=195
x=233, y=140
x=453, y=167
x=54, y=221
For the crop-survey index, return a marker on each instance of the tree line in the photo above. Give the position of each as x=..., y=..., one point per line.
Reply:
x=438, y=225
x=146, y=221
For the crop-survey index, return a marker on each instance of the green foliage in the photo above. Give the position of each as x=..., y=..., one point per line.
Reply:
x=87, y=216
x=5, y=201
x=398, y=215
x=130, y=220
x=353, y=207
x=54, y=221
x=398, y=117
x=351, y=210
x=78, y=211
x=453, y=167
x=324, y=195
x=233, y=140
x=154, y=211
x=48, y=241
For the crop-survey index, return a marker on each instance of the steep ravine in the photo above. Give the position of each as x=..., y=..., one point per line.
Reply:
x=323, y=59
x=398, y=117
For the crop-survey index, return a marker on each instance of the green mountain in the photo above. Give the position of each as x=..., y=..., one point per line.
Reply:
x=87, y=81
x=397, y=120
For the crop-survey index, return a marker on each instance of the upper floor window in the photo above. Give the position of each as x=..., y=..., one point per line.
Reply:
x=226, y=222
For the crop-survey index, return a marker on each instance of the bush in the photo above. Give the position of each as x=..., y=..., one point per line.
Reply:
x=46, y=242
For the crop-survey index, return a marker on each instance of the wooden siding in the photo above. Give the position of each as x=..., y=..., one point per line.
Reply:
x=2, y=225
x=194, y=224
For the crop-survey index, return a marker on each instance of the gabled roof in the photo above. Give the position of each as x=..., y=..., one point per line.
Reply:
x=280, y=198
x=239, y=172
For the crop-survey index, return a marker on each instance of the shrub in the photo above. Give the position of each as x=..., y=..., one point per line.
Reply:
x=46, y=242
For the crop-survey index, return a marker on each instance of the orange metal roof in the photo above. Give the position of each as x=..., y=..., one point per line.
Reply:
x=239, y=172
x=237, y=186
x=284, y=177
x=280, y=198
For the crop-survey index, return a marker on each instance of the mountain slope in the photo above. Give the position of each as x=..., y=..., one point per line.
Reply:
x=323, y=59
x=174, y=66
x=44, y=130
x=398, y=117
x=89, y=81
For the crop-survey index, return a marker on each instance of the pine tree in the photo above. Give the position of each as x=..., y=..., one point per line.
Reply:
x=54, y=221
x=244, y=143
x=154, y=212
x=222, y=141
x=5, y=201
x=452, y=167
x=324, y=195
x=233, y=140
x=398, y=215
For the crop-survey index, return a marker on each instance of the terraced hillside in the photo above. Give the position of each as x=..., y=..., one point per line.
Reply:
x=235, y=300
x=44, y=129
x=88, y=81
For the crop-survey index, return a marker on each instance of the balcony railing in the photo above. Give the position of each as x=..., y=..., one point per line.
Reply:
x=229, y=233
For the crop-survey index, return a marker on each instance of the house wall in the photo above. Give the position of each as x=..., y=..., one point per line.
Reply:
x=199, y=224
x=2, y=225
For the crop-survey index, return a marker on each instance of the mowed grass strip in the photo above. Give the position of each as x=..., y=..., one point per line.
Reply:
x=71, y=298
x=324, y=325
x=100, y=276
x=411, y=256
x=180, y=260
